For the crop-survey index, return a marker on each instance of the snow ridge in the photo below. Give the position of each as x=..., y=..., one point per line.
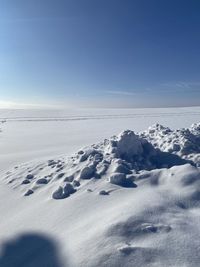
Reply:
x=117, y=160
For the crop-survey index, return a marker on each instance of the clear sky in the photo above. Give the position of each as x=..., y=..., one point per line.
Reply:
x=103, y=53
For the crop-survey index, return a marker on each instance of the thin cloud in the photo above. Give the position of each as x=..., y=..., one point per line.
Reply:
x=122, y=93
x=181, y=84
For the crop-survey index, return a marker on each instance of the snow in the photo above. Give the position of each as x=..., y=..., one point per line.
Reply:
x=33, y=134
x=184, y=142
x=75, y=196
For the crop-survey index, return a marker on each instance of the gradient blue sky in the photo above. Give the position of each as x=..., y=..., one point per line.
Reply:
x=103, y=53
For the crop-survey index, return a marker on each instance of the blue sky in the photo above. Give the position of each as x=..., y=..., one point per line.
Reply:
x=100, y=53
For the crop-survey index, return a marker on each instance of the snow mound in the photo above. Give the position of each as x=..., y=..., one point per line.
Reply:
x=183, y=142
x=115, y=160
x=122, y=202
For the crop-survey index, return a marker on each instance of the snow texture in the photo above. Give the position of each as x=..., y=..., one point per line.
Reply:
x=130, y=200
x=113, y=160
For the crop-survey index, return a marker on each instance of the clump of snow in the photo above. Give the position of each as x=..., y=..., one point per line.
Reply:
x=76, y=183
x=122, y=168
x=69, y=189
x=69, y=178
x=87, y=172
x=29, y=192
x=29, y=176
x=118, y=179
x=42, y=181
x=26, y=181
x=128, y=145
x=195, y=129
x=182, y=142
x=103, y=192
x=59, y=193
x=63, y=192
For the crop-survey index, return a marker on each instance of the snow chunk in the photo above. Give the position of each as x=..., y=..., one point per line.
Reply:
x=120, y=168
x=129, y=145
x=30, y=176
x=59, y=194
x=42, y=181
x=69, y=189
x=118, y=179
x=65, y=192
x=103, y=192
x=29, y=192
x=87, y=172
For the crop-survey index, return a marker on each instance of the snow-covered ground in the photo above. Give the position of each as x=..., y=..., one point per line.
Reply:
x=72, y=195
x=32, y=134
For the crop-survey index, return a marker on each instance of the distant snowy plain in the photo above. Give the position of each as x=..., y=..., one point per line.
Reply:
x=127, y=211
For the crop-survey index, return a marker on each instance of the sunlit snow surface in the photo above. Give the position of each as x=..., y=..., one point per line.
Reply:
x=74, y=194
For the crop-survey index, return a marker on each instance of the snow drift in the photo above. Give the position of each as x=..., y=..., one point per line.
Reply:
x=131, y=200
x=116, y=160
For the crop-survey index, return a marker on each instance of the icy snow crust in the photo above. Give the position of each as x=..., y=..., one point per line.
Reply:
x=131, y=200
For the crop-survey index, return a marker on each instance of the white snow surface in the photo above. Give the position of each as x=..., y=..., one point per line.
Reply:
x=184, y=142
x=128, y=200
